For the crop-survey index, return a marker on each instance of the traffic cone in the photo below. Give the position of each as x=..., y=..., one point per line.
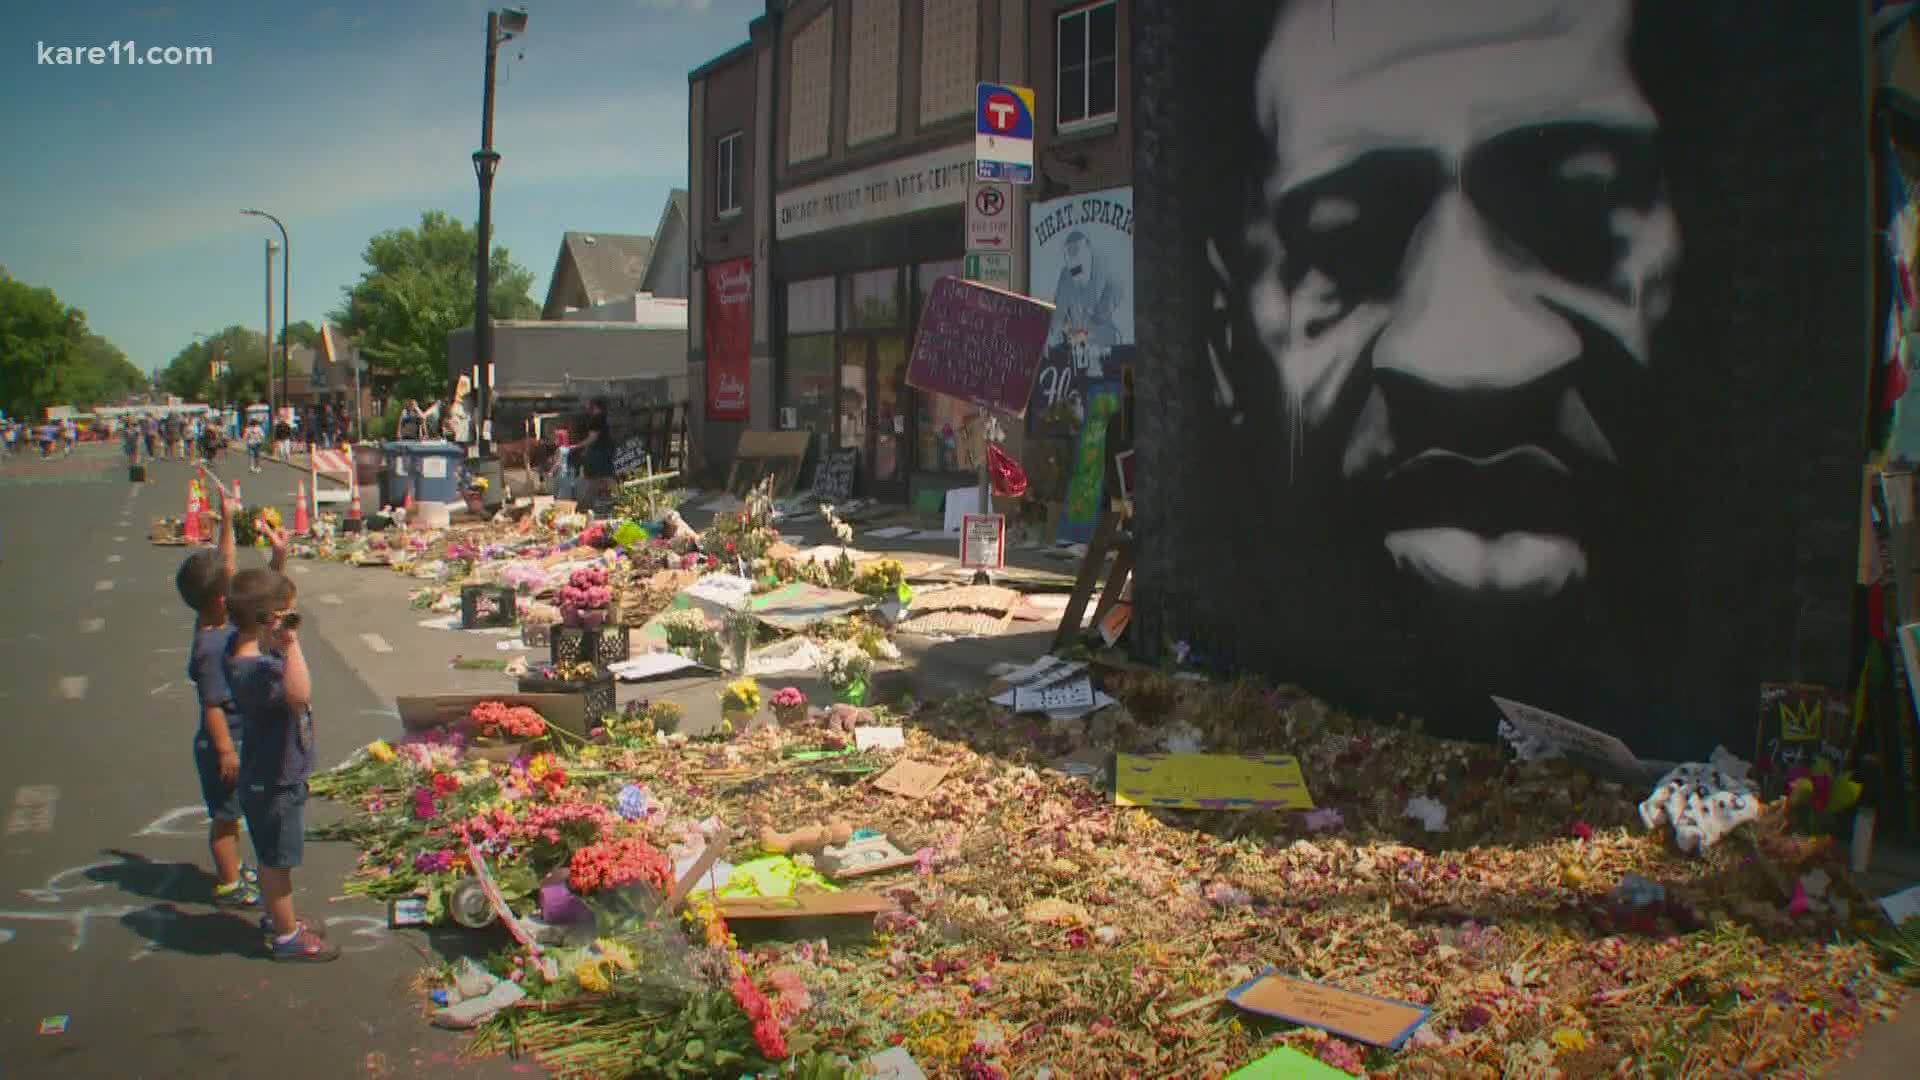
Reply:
x=353, y=495
x=191, y=531
x=301, y=524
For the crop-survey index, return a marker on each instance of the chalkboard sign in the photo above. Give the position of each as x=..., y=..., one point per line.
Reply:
x=980, y=344
x=1800, y=726
x=631, y=457
x=833, y=477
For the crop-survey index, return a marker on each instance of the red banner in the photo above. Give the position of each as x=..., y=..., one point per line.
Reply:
x=729, y=338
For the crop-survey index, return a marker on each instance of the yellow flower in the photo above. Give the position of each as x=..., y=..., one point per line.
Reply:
x=592, y=977
x=379, y=750
x=1570, y=1040
x=616, y=954
x=539, y=767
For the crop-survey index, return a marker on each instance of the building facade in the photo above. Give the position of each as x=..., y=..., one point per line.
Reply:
x=831, y=160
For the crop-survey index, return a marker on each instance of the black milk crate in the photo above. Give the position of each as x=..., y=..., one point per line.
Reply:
x=598, y=692
x=504, y=610
x=575, y=644
x=535, y=635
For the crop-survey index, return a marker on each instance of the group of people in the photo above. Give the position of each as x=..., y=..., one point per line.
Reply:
x=54, y=439
x=584, y=471
x=253, y=747
x=171, y=438
x=442, y=420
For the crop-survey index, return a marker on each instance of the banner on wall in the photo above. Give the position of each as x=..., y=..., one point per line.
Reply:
x=1080, y=252
x=728, y=338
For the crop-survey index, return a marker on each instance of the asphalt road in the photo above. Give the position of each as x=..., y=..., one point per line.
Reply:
x=105, y=917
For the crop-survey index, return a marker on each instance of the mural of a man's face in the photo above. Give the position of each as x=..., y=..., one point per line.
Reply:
x=1465, y=237
x=1079, y=259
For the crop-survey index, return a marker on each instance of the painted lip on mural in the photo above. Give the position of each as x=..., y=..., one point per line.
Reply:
x=1522, y=489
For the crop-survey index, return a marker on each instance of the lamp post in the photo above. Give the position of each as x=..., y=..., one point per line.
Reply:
x=267, y=343
x=286, y=261
x=502, y=26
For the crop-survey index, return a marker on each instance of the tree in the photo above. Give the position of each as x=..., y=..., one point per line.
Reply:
x=49, y=357
x=190, y=373
x=418, y=288
x=98, y=372
x=301, y=333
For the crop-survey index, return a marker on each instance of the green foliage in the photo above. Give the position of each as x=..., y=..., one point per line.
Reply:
x=49, y=357
x=418, y=288
x=190, y=372
x=301, y=333
x=387, y=424
x=1900, y=951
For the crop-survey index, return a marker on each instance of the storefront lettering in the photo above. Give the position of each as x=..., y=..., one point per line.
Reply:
x=1092, y=210
x=898, y=187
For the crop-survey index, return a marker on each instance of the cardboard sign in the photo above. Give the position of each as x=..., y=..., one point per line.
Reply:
x=1211, y=782
x=979, y=344
x=631, y=456
x=805, y=905
x=1574, y=740
x=1363, y=1017
x=795, y=606
x=911, y=779
x=983, y=541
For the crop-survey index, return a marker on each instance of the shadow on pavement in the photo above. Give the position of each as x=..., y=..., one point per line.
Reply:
x=173, y=882
x=168, y=928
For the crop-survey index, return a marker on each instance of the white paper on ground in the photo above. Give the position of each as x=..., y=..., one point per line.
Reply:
x=894, y=1064
x=932, y=534
x=891, y=532
x=512, y=646
x=650, y=666
x=1902, y=905
x=795, y=655
x=880, y=738
x=1538, y=727
x=445, y=622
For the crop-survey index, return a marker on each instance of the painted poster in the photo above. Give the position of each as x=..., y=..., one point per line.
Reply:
x=1080, y=252
x=1086, y=487
x=1489, y=372
x=729, y=338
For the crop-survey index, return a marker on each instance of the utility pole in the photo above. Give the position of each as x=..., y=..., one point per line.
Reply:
x=268, y=340
x=502, y=26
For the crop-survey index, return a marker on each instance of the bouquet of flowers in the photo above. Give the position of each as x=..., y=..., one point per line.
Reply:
x=493, y=720
x=789, y=705
x=881, y=577
x=478, y=485
x=847, y=665
x=618, y=861
x=691, y=635
x=586, y=595
x=741, y=695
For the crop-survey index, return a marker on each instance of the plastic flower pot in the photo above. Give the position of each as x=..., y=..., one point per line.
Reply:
x=736, y=716
x=790, y=716
x=476, y=501
x=854, y=693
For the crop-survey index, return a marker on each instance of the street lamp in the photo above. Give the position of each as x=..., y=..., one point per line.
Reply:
x=502, y=26
x=286, y=261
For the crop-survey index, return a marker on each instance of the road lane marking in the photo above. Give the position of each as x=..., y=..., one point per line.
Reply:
x=331, y=598
x=119, y=539
x=113, y=558
x=32, y=809
x=299, y=569
x=92, y=626
x=103, y=585
x=376, y=643
x=161, y=689
x=73, y=687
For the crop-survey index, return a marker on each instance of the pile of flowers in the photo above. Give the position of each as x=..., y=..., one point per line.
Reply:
x=494, y=720
x=616, y=862
x=586, y=593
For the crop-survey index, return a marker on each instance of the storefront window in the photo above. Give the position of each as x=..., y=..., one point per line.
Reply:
x=810, y=306
x=808, y=389
x=872, y=301
x=948, y=427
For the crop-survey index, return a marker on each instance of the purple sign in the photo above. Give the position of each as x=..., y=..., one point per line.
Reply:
x=980, y=344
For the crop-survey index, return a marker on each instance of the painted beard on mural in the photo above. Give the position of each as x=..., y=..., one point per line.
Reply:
x=1459, y=249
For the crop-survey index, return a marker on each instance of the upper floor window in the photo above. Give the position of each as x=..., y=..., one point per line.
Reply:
x=873, y=78
x=810, y=86
x=726, y=174
x=949, y=59
x=1088, y=66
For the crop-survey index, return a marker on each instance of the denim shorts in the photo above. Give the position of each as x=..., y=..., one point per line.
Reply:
x=277, y=820
x=223, y=802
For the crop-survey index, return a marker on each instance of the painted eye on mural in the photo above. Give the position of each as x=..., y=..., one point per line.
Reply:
x=1553, y=194
x=1344, y=235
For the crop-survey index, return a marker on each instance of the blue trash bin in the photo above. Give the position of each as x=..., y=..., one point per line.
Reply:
x=397, y=478
x=437, y=469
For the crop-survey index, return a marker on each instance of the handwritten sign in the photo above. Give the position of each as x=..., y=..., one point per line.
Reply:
x=1801, y=724
x=833, y=477
x=631, y=456
x=911, y=779
x=979, y=344
x=983, y=541
x=1574, y=740
x=1211, y=782
x=1372, y=1020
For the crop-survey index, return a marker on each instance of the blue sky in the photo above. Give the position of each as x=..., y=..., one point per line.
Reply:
x=123, y=185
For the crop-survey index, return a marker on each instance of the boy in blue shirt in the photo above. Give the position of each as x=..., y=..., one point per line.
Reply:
x=202, y=582
x=273, y=692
